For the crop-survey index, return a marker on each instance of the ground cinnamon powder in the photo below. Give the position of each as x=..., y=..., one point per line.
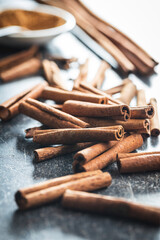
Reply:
x=30, y=20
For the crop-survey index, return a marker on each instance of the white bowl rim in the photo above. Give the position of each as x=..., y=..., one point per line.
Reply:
x=33, y=6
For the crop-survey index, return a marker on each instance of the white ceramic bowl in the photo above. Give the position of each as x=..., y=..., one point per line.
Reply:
x=37, y=36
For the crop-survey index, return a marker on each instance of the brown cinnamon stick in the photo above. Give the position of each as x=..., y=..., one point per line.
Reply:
x=127, y=155
x=89, y=153
x=128, y=92
x=71, y=136
x=29, y=131
x=132, y=125
x=106, y=205
x=52, y=74
x=139, y=163
x=142, y=112
x=82, y=76
x=78, y=108
x=61, y=96
x=52, y=193
x=57, y=113
x=127, y=144
x=117, y=88
x=17, y=58
x=26, y=68
x=155, y=125
x=51, y=152
x=141, y=98
x=100, y=75
x=49, y=118
x=9, y=108
x=88, y=87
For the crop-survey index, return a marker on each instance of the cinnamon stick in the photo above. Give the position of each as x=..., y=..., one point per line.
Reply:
x=117, y=88
x=46, y=118
x=128, y=92
x=29, y=131
x=71, y=136
x=127, y=144
x=141, y=98
x=9, y=108
x=57, y=113
x=155, y=125
x=88, y=87
x=78, y=108
x=26, y=68
x=127, y=155
x=141, y=67
x=17, y=58
x=142, y=112
x=112, y=206
x=61, y=96
x=139, y=163
x=100, y=75
x=52, y=74
x=132, y=125
x=82, y=76
x=51, y=152
x=89, y=153
x=49, y=194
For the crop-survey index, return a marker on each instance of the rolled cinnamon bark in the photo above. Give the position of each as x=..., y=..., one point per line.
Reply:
x=141, y=98
x=132, y=125
x=17, y=58
x=57, y=113
x=51, y=152
x=118, y=88
x=128, y=144
x=29, y=131
x=26, y=68
x=52, y=74
x=142, y=112
x=139, y=163
x=56, y=181
x=49, y=194
x=155, y=125
x=82, y=76
x=61, y=96
x=78, y=108
x=9, y=108
x=106, y=205
x=89, y=153
x=71, y=136
x=128, y=92
x=127, y=155
x=44, y=117
x=100, y=75
x=88, y=87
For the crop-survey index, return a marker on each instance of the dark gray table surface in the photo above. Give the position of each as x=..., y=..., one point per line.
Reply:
x=18, y=170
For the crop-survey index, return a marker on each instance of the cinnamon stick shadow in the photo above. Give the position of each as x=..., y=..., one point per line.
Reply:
x=73, y=223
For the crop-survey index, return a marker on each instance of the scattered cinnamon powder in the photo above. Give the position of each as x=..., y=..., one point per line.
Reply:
x=31, y=20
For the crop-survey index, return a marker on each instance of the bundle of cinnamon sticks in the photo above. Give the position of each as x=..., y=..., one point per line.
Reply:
x=97, y=127
x=130, y=56
x=101, y=129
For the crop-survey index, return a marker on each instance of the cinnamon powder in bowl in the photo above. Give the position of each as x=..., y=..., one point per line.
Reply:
x=40, y=23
